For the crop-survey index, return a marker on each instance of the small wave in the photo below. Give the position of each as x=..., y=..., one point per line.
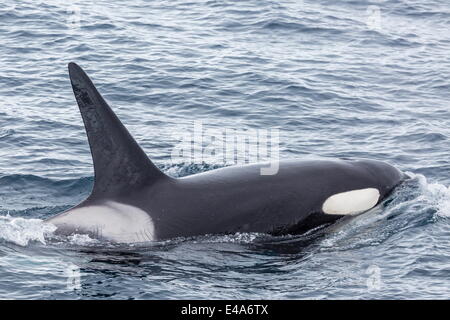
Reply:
x=414, y=204
x=439, y=195
x=434, y=195
x=22, y=231
x=6, y=133
x=26, y=193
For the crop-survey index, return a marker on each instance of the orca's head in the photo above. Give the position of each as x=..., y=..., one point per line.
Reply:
x=370, y=183
x=384, y=176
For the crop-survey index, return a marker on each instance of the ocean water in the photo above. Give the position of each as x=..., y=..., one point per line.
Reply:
x=338, y=79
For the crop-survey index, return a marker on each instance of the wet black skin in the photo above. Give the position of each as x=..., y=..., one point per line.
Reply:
x=226, y=200
x=239, y=199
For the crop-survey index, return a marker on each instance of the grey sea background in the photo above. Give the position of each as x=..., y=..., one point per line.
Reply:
x=337, y=79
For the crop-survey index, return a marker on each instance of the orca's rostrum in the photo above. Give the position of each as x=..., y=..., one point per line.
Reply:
x=133, y=201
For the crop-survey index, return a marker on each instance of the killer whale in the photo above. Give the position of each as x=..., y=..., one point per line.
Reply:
x=133, y=201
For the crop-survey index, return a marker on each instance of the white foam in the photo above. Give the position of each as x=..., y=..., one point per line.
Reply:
x=439, y=196
x=22, y=231
x=364, y=229
x=238, y=237
x=81, y=239
x=436, y=195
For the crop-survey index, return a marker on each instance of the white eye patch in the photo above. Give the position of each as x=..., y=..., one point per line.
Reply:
x=351, y=202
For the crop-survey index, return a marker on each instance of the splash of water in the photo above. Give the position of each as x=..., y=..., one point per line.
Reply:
x=81, y=240
x=22, y=231
x=437, y=195
x=414, y=203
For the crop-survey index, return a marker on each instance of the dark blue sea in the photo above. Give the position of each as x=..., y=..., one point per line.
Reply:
x=338, y=79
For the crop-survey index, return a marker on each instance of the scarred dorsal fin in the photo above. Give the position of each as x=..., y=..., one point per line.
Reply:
x=120, y=165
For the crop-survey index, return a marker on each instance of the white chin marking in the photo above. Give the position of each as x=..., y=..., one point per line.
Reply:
x=351, y=202
x=110, y=220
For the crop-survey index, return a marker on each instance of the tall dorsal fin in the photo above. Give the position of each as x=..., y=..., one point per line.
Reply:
x=120, y=165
